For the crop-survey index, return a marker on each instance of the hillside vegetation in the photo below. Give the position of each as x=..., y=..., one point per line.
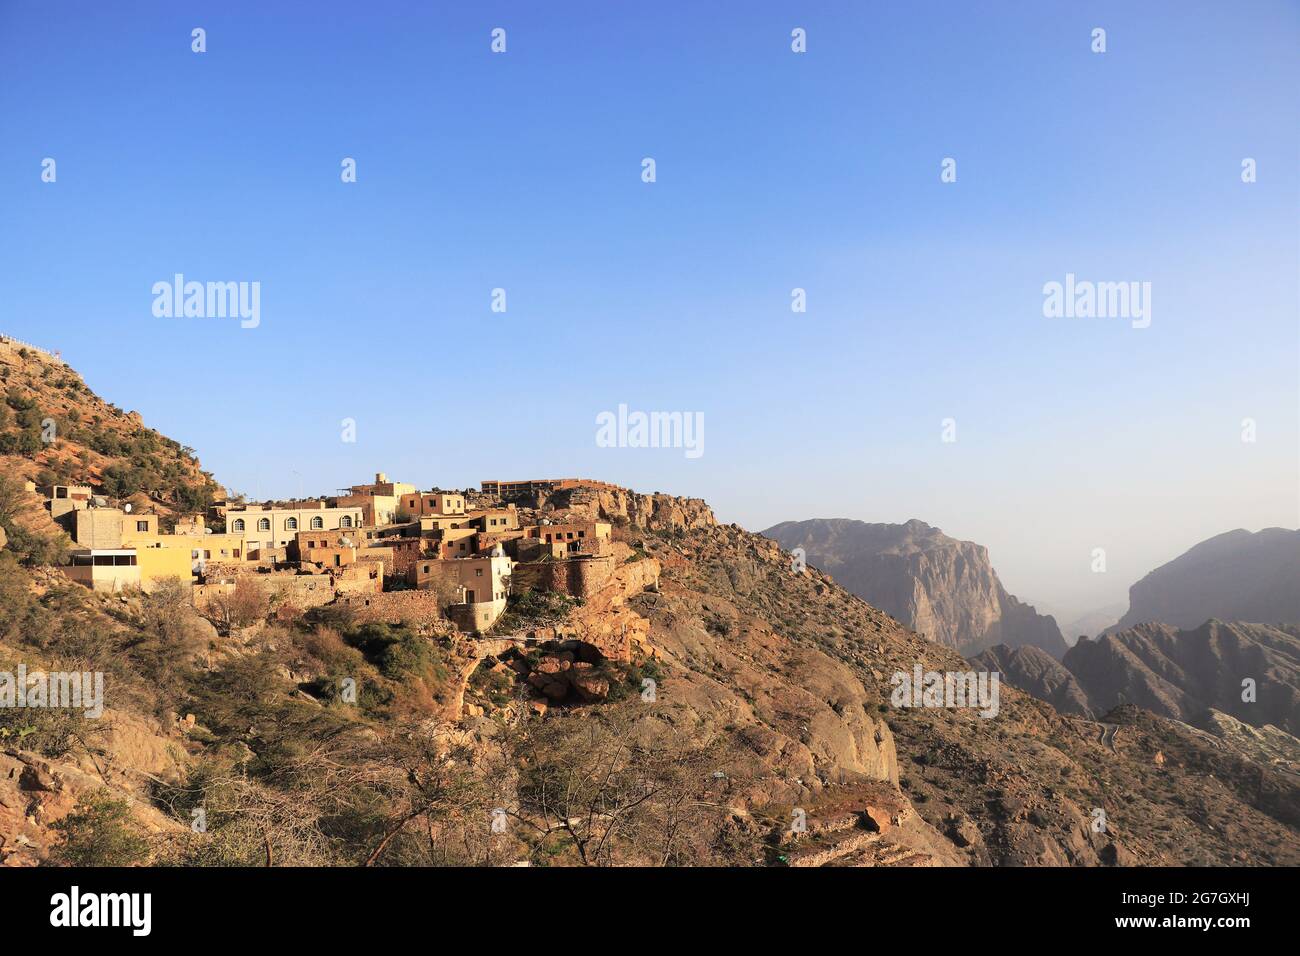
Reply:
x=55, y=430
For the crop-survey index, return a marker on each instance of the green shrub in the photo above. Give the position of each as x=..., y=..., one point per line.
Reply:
x=100, y=832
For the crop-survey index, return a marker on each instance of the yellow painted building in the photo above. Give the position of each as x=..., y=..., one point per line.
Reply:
x=217, y=547
x=162, y=560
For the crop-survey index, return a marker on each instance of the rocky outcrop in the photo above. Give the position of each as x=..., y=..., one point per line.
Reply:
x=1235, y=576
x=653, y=512
x=1038, y=673
x=563, y=674
x=573, y=660
x=606, y=620
x=941, y=587
x=1184, y=673
x=36, y=792
x=802, y=721
x=870, y=824
x=1265, y=745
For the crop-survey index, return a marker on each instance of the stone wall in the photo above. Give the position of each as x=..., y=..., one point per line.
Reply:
x=607, y=623
x=477, y=617
x=418, y=608
x=300, y=591
x=205, y=594
x=10, y=344
x=579, y=577
x=365, y=578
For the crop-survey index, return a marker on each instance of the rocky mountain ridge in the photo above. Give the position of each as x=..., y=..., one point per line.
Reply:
x=1038, y=673
x=1230, y=671
x=1184, y=673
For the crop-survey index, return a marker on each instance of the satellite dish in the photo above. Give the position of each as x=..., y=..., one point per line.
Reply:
x=127, y=507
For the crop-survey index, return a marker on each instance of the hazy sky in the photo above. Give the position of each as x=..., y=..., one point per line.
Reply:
x=775, y=170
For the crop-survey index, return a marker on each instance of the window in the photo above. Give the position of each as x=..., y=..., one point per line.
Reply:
x=317, y=523
x=582, y=534
x=478, y=572
x=142, y=526
x=207, y=555
x=263, y=524
x=346, y=521
x=238, y=525
x=290, y=524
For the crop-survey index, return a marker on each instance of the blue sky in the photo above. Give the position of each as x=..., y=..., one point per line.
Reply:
x=775, y=170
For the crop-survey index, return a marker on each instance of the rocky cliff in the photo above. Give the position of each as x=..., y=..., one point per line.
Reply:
x=943, y=588
x=1235, y=576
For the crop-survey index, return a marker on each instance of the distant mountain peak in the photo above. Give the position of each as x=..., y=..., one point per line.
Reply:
x=1235, y=576
x=939, y=586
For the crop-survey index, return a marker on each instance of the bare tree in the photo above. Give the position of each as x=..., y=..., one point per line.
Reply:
x=619, y=788
x=245, y=605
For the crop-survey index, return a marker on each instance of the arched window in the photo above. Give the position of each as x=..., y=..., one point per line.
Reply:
x=317, y=523
x=290, y=524
x=345, y=521
x=263, y=524
x=238, y=525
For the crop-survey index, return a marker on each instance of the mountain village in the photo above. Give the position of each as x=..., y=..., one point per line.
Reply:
x=384, y=548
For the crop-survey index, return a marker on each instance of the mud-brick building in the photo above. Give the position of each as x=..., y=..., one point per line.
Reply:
x=479, y=586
